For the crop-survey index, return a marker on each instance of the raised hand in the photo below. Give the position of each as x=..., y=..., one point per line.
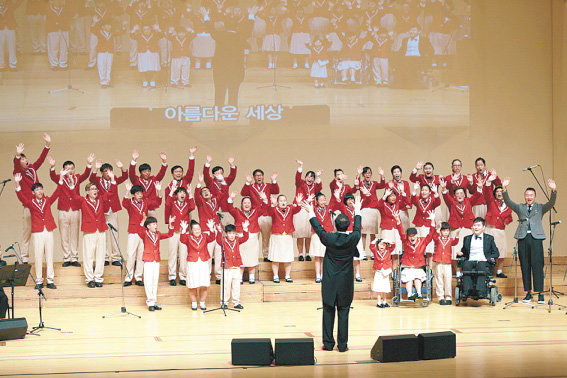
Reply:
x=364, y=191
x=419, y=165
x=380, y=171
x=505, y=182
x=64, y=172
x=396, y=215
x=470, y=178
x=357, y=203
x=442, y=184
x=337, y=194
x=299, y=197
x=135, y=155
x=359, y=170
x=274, y=176
x=434, y=188
x=171, y=219
x=356, y=181
x=431, y=215
x=391, y=185
x=18, y=178
x=231, y=161
x=233, y=195
x=319, y=173
x=98, y=164
x=273, y=200
x=90, y=158
x=157, y=184
x=128, y=186
x=51, y=161
x=310, y=198
x=119, y=164
x=192, y=150
x=174, y=186
x=184, y=226
x=263, y=197
x=47, y=139
x=300, y=163
x=552, y=185
x=211, y=225
x=20, y=149
x=209, y=159
x=416, y=187
x=305, y=206
x=111, y=175
x=163, y=157
x=245, y=225
x=387, y=192
x=249, y=178
x=493, y=175
x=201, y=179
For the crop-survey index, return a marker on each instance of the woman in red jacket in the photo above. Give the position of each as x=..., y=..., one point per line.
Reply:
x=382, y=251
x=151, y=257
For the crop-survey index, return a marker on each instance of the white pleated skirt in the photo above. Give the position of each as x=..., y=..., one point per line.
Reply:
x=281, y=248
x=198, y=274
x=249, y=251
x=381, y=282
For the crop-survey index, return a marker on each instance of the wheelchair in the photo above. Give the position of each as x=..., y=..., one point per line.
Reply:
x=491, y=289
x=400, y=290
x=361, y=76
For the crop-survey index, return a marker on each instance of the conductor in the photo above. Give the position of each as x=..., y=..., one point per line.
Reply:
x=338, y=278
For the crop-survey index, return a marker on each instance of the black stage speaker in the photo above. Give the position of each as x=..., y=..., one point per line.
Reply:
x=396, y=348
x=11, y=329
x=295, y=351
x=437, y=345
x=252, y=351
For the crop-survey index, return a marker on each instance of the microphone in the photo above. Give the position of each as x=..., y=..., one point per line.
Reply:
x=555, y=223
x=111, y=227
x=10, y=247
x=5, y=181
x=530, y=168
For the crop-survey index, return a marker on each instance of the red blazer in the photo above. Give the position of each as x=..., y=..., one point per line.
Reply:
x=58, y=19
x=181, y=48
x=461, y=215
x=240, y=216
x=253, y=191
x=70, y=186
x=181, y=211
x=372, y=186
x=381, y=48
x=232, y=249
x=197, y=247
x=219, y=190
x=414, y=255
x=482, y=179
x=151, y=243
x=136, y=212
x=352, y=50
x=344, y=190
x=141, y=17
x=387, y=221
x=109, y=196
x=41, y=217
x=300, y=25
x=105, y=42
x=184, y=182
x=498, y=214
x=149, y=43
x=282, y=222
x=302, y=187
x=403, y=202
x=207, y=209
x=92, y=215
x=443, y=246
x=422, y=208
x=382, y=260
x=7, y=18
x=346, y=211
x=424, y=180
x=452, y=184
x=29, y=176
x=318, y=53
x=148, y=185
x=324, y=217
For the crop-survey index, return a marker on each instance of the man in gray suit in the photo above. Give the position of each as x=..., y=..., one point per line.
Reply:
x=530, y=236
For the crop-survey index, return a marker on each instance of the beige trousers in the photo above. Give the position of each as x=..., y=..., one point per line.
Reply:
x=69, y=225
x=112, y=253
x=134, y=263
x=231, y=285
x=43, y=246
x=93, y=254
x=443, y=277
x=177, y=251
x=151, y=278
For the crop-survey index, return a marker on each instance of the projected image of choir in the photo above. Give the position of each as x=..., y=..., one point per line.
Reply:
x=385, y=43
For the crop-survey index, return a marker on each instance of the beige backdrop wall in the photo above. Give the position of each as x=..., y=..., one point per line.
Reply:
x=511, y=125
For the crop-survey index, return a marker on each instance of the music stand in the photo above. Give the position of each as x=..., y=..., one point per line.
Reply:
x=12, y=276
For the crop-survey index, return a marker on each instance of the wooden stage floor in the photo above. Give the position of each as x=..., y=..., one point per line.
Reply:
x=176, y=341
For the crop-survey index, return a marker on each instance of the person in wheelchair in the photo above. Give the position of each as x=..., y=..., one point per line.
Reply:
x=413, y=256
x=479, y=254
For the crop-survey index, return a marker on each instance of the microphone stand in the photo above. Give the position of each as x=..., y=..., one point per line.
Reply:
x=70, y=61
x=223, y=307
x=515, y=300
x=35, y=330
x=122, y=262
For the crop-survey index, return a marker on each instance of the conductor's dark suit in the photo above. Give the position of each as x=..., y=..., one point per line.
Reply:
x=338, y=279
x=491, y=253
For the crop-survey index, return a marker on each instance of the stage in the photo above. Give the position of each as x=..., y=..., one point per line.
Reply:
x=518, y=341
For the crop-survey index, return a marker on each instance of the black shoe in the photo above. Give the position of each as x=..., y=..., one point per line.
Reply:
x=194, y=308
x=300, y=258
x=448, y=302
x=328, y=347
x=182, y=282
x=98, y=284
x=288, y=280
x=172, y=283
x=317, y=280
x=307, y=258
x=116, y=263
x=106, y=263
x=224, y=306
x=442, y=302
x=379, y=305
x=343, y=349
x=152, y=308
x=528, y=298
x=413, y=297
x=51, y=286
x=91, y=284
x=157, y=308
x=501, y=275
x=241, y=282
x=127, y=283
x=385, y=305
x=239, y=307
x=38, y=286
x=267, y=259
x=540, y=298
x=251, y=282
x=25, y=263
x=276, y=280
x=358, y=279
x=365, y=258
x=217, y=282
x=75, y=263
x=371, y=257
x=66, y=264
x=139, y=283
